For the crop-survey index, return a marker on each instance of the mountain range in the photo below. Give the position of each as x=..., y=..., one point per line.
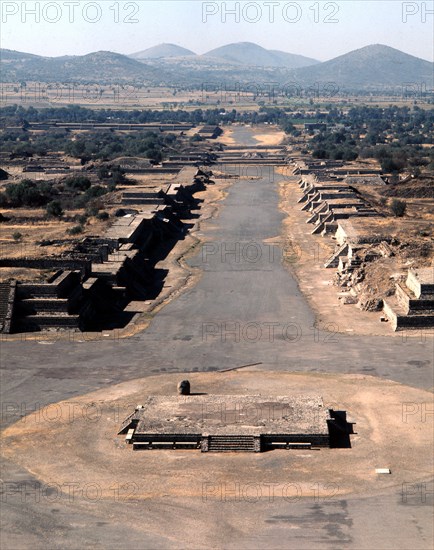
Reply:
x=240, y=53
x=368, y=67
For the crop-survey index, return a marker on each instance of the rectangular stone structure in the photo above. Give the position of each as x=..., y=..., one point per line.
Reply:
x=232, y=423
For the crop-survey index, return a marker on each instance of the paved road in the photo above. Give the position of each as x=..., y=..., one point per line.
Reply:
x=245, y=309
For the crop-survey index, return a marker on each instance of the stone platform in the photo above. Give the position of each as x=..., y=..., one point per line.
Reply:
x=218, y=423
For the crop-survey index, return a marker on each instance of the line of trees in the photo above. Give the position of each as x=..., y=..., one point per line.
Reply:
x=394, y=136
x=103, y=144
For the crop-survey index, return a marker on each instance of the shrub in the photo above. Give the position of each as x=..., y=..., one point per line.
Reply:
x=103, y=216
x=398, y=208
x=320, y=154
x=118, y=175
x=425, y=250
x=95, y=191
x=389, y=165
x=350, y=155
x=17, y=236
x=77, y=183
x=80, y=202
x=54, y=208
x=92, y=210
x=76, y=230
x=81, y=219
x=103, y=173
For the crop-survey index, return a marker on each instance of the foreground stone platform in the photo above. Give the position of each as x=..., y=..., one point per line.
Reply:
x=393, y=430
x=237, y=423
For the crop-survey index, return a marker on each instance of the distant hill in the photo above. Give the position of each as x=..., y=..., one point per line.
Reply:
x=94, y=67
x=375, y=65
x=163, y=51
x=250, y=54
x=106, y=64
x=12, y=55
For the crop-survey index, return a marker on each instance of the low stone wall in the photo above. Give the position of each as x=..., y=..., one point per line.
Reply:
x=390, y=314
x=48, y=263
x=151, y=170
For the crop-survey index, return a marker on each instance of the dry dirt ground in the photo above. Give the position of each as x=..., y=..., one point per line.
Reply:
x=306, y=254
x=34, y=227
x=124, y=97
x=270, y=137
x=77, y=442
x=226, y=138
x=264, y=134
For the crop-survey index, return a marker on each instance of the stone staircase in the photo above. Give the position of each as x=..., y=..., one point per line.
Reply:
x=329, y=217
x=4, y=300
x=316, y=213
x=49, y=320
x=49, y=305
x=232, y=444
x=143, y=196
x=348, y=265
x=333, y=260
x=412, y=306
x=7, y=298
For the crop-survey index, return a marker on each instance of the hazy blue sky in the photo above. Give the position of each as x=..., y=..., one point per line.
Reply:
x=68, y=27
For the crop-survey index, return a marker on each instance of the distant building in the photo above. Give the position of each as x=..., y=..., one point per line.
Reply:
x=210, y=132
